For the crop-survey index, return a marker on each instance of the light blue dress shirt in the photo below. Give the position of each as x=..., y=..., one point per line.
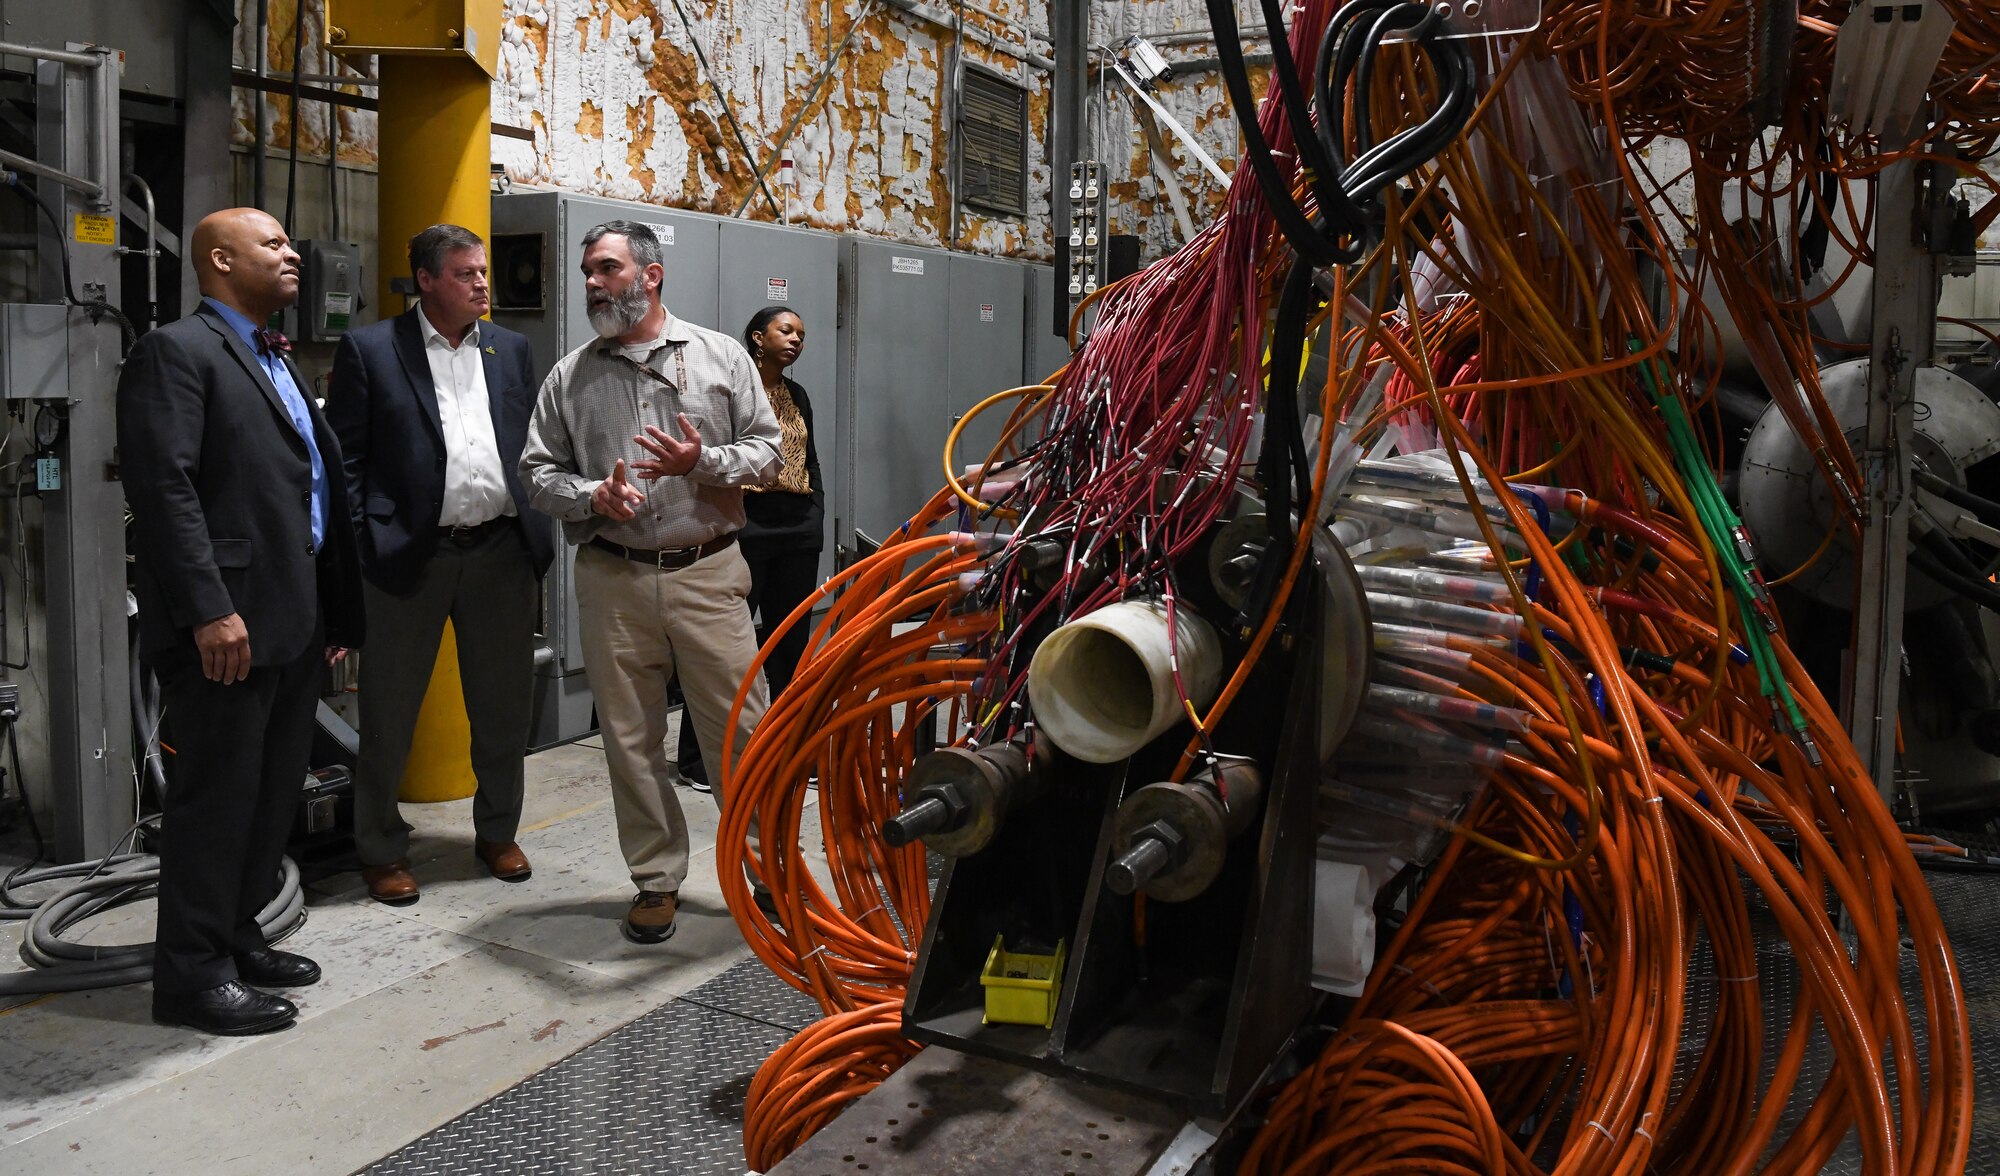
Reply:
x=295, y=404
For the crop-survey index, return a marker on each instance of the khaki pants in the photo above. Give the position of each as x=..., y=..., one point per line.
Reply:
x=641, y=626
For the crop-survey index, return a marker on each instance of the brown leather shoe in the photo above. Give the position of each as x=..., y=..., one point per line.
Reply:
x=392, y=884
x=503, y=859
x=651, y=919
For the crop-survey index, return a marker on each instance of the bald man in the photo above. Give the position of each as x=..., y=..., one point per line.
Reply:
x=248, y=586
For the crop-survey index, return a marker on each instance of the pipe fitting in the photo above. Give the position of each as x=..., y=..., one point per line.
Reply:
x=957, y=799
x=1103, y=686
x=1172, y=839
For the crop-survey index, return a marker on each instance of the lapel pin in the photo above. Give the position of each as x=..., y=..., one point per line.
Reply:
x=491, y=351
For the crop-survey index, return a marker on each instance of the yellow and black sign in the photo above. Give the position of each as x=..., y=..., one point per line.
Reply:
x=92, y=229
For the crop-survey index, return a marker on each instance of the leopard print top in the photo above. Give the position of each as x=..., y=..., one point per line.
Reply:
x=792, y=475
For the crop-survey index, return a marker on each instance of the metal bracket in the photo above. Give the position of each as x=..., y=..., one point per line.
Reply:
x=1180, y=132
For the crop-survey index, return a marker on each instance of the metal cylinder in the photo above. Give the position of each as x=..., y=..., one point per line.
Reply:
x=926, y=816
x=1105, y=685
x=957, y=798
x=1172, y=839
x=1139, y=865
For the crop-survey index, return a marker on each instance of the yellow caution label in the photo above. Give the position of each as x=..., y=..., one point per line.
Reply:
x=92, y=229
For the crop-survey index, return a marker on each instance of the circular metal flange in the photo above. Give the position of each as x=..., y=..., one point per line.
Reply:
x=1204, y=821
x=1789, y=508
x=981, y=784
x=1346, y=647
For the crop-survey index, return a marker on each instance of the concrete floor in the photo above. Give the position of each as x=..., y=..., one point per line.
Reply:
x=425, y=1011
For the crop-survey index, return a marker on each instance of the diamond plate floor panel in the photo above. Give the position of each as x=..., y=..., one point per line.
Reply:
x=661, y=1095
x=750, y=990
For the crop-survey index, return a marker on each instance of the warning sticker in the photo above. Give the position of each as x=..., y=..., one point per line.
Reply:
x=986, y=312
x=778, y=290
x=339, y=310
x=907, y=265
x=92, y=229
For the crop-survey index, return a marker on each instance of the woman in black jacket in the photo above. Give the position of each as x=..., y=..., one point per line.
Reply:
x=784, y=521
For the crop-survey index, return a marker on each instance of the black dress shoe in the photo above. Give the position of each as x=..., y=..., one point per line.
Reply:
x=276, y=969
x=232, y=1010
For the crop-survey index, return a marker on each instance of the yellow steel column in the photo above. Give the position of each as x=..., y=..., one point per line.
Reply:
x=436, y=123
x=436, y=152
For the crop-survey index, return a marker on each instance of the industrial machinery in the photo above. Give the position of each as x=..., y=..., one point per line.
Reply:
x=59, y=361
x=1405, y=767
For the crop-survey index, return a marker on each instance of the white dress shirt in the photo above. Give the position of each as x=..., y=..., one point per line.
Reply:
x=475, y=484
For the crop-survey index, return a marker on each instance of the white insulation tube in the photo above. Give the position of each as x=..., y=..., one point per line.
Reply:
x=1103, y=685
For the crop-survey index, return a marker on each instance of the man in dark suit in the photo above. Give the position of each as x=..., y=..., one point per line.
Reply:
x=246, y=582
x=432, y=409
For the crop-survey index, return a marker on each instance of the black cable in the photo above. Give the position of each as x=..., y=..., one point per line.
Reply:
x=34, y=826
x=1283, y=469
x=1987, y=510
x=1322, y=173
x=292, y=168
x=1305, y=238
x=1346, y=194
x=1947, y=552
x=1924, y=558
x=34, y=197
x=1382, y=164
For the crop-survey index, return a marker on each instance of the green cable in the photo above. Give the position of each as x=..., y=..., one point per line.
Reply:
x=1720, y=521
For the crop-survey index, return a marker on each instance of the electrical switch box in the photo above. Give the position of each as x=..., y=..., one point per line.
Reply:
x=329, y=291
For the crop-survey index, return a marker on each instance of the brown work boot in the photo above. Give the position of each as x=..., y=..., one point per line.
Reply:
x=651, y=919
x=392, y=884
x=504, y=860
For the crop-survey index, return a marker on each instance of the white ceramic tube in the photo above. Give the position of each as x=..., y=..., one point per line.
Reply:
x=1103, y=685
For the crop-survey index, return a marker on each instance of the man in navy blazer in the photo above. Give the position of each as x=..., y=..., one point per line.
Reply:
x=432, y=409
x=246, y=579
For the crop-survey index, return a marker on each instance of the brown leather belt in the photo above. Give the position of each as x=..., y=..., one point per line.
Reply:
x=670, y=560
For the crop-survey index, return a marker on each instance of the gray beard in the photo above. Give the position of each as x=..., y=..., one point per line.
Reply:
x=620, y=312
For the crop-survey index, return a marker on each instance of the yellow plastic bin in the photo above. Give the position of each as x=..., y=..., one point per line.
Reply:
x=1021, y=988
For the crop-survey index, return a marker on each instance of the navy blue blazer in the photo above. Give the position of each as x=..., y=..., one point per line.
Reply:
x=219, y=482
x=384, y=406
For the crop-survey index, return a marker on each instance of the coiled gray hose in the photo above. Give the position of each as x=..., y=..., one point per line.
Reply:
x=58, y=965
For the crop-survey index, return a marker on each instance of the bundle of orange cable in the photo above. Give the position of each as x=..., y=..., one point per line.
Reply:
x=1665, y=788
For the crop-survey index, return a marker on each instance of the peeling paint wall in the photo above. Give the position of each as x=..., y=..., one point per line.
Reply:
x=1196, y=98
x=621, y=104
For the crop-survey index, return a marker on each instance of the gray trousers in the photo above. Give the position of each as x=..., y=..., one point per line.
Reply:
x=486, y=585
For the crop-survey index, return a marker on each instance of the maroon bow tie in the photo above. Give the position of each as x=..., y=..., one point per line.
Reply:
x=271, y=342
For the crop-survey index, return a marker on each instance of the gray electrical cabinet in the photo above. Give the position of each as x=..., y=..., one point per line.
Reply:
x=988, y=304
x=690, y=248
x=536, y=256
x=797, y=269
x=895, y=391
